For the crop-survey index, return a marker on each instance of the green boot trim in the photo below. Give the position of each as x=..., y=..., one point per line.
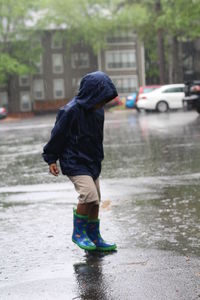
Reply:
x=104, y=249
x=80, y=216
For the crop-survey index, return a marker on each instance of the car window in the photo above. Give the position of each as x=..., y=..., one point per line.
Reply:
x=174, y=90
x=147, y=90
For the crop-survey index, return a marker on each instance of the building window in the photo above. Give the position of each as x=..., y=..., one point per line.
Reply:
x=122, y=37
x=76, y=84
x=38, y=89
x=120, y=60
x=80, y=60
x=4, y=99
x=125, y=85
x=58, y=88
x=25, y=101
x=57, y=63
x=56, y=41
x=24, y=80
x=39, y=65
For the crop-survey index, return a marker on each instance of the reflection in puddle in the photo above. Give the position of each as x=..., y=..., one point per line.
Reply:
x=90, y=277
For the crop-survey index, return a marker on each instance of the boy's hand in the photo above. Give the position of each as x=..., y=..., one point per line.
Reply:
x=53, y=169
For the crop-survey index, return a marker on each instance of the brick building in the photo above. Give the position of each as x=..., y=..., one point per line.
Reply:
x=59, y=72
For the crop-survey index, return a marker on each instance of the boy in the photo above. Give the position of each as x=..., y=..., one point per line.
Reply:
x=77, y=141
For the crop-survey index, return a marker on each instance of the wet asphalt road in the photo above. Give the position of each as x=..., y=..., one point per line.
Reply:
x=150, y=208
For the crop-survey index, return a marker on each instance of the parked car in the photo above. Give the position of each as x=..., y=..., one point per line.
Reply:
x=162, y=99
x=3, y=112
x=192, y=96
x=131, y=100
x=146, y=89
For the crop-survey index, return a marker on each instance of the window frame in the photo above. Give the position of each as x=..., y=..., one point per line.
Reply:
x=120, y=52
x=54, y=65
x=21, y=84
x=118, y=42
x=22, y=93
x=53, y=39
x=39, y=65
x=54, y=89
x=3, y=98
x=131, y=90
x=73, y=64
x=42, y=90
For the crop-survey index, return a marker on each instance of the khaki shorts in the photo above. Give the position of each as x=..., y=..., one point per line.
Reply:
x=88, y=189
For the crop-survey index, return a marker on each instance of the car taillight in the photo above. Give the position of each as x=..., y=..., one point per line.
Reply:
x=2, y=110
x=195, y=88
x=143, y=97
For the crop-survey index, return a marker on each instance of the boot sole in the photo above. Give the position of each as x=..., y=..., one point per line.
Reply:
x=90, y=248
x=102, y=249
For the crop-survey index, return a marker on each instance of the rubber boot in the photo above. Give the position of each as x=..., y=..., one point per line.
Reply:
x=79, y=235
x=95, y=236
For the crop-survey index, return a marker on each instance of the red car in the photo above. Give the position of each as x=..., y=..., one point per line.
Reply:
x=3, y=113
x=146, y=89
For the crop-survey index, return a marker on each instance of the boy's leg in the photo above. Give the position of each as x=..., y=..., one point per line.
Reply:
x=89, y=193
x=94, y=210
x=84, y=208
x=88, y=196
x=93, y=226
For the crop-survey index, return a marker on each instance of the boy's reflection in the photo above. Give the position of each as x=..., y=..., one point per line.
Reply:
x=90, y=279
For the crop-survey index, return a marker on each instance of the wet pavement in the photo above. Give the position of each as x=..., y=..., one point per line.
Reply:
x=150, y=208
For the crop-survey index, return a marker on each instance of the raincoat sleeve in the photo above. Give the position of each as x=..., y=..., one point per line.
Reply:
x=58, y=139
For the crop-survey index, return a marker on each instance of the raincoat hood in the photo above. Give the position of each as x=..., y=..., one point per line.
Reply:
x=95, y=88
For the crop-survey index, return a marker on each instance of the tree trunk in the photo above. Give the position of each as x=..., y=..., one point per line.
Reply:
x=170, y=61
x=161, y=56
x=9, y=92
x=160, y=46
x=180, y=63
x=177, y=73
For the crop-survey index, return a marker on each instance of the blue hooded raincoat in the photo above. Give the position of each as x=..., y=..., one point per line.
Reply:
x=77, y=137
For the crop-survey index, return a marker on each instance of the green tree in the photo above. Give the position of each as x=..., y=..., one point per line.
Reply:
x=18, y=47
x=180, y=20
x=166, y=23
x=143, y=16
x=85, y=20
